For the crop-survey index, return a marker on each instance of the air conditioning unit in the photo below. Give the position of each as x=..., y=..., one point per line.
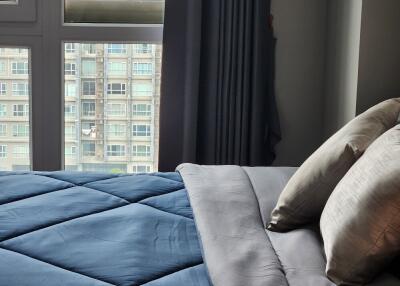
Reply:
x=100, y=74
x=100, y=60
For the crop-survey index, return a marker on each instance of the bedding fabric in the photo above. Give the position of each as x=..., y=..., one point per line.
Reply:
x=228, y=204
x=74, y=229
x=78, y=229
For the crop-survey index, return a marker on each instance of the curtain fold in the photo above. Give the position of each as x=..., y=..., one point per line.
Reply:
x=217, y=96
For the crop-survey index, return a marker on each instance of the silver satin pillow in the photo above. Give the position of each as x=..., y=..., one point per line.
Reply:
x=306, y=193
x=360, y=224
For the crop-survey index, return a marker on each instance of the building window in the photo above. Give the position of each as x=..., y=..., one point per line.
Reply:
x=143, y=48
x=116, y=88
x=142, y=130
x=20, y=110
x=137, y=169
x=88, y=67
x=70, y=131
x=21, y=130
x=70, y=48
x=20, y=68
x=117, y=130
x=117, y=68
x=116, y=109
x=3, y=151
x=142, y=68
x=70, y=89
x=88, y=87
x=116, y=49
x=3, y=130
x=70, y=110
x=70, y=150
x=20, y=89
x=88, y=108
x=141, y=109
x=88, y=149
x=142, y=89
x=3, y=70
x=115, y=150
x=89, y=49
x=70, y=69
x=3, y=110
x=141, y=150
x=21, y=151
x=3, y=88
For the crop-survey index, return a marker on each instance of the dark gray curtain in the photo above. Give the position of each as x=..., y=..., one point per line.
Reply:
x=217, y=94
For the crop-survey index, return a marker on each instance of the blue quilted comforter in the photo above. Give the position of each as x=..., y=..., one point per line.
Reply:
x=63, y=228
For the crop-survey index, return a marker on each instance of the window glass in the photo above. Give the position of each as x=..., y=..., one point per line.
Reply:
x=70, y=89
x=88, y=67
x=15, y=94
x=142, y=68
x=115, y=114
x=88, y=87
x=141, y=109
x=117, y=69
x=114, y=11
x=116, y=49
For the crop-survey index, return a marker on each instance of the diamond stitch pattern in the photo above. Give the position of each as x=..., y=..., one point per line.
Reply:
x=66, y=228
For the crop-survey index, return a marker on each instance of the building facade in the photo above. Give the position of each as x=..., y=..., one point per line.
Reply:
x=112, y=93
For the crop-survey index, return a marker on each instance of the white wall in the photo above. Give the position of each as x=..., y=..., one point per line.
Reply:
x=379, y=70
x=343, y=46
x=300, y=64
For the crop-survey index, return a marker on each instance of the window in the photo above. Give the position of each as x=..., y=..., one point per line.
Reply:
x=21, y=151
x=20, y=89
x=89, y=49
x=3, y=88
x=3, y=151
x=3, y=130
x=138, y=12
x=88, y=67
x=88, y=108
x=116, y=49
x=116, y=109
x=142, y=89
x=70, y=110
x=143, y=49
x=20, y=130
x=88, y=149
x=19, y=68
x=117, y=69
x=3, y=69
x=70, y=48
x=70, y=131
x=70, y=69
x=70, y=89
x=15, y=83
x=20, y=110
x=141, y=150
x=3, y=110
x=116, y=88
x=70, y=151
x=141, y=109
x=115, y=150
x=142, y=68
x=137, y=169
x=117, y=130
x=142, y=130
x=88, y=87
x=103, y=118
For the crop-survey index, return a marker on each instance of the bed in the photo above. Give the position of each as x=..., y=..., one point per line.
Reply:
x=201, y=226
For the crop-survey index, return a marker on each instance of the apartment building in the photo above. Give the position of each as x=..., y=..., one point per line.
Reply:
x=111, y=105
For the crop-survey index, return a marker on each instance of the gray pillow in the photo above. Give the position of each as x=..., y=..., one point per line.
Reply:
x=360, y=224
x=306, y=193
